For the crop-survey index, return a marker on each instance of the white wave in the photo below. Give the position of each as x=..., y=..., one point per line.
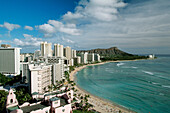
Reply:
x=147, y=72
x=119, y=64
x=154, y=83
x=134, y=67
x=161, y=94
x=165, y=86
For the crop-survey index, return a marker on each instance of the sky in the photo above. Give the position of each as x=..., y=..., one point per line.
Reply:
x=134, y=26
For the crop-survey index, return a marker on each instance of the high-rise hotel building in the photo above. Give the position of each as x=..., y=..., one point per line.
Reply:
x=58, y=50
x=10, y=60
x=39, y=78
x=68, y=52
x=46, y=50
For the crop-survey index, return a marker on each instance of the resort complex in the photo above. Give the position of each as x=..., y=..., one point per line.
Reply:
x=45, y=75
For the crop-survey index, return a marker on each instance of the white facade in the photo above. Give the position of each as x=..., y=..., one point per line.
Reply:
x=91, y=57
x=57, y=67
x=97, y=57
x=84, y=58
x=71, y=62
x=22, y=57
x=58, y=74
x=46, y=49
x=152, y=56
x=10, y=61
x=40, y=78
x=67, y=52
x=77, y=60
x=58, y=50
x=74, y=54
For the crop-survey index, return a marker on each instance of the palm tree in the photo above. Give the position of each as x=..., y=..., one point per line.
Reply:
x=49, y=87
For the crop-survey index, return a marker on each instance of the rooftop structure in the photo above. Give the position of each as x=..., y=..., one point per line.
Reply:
x=35, y=108
x=5, y=45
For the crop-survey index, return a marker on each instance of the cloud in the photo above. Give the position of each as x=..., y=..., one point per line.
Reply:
x=95, y=10
x=68, y=40
x=134, y=24
x=54, y=27
x=29, y=41
x=10, y=27
x=0, y=41
x=29, y=28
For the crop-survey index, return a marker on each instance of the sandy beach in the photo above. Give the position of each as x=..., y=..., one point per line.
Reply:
x=100, y=105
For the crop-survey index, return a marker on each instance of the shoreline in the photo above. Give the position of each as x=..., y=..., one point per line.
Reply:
x=100, y=104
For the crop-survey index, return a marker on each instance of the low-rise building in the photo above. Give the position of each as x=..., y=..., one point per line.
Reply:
x=54, y=102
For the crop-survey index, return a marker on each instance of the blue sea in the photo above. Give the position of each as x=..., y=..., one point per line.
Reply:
x=142, y=86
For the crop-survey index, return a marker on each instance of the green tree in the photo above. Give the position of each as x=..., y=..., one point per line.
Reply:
x=22, y=94
x=3, y=97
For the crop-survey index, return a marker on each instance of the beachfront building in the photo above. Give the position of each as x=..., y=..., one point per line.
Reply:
x=55, y=102
x=10, y=60
x=97, y=57
x=84, y=57
x=40, y=78
x=58, y=73
x=67, y=52
x=57, y=67
x=58, y=50
x=152, y=56
x=91, y=57
x=46, y=50
x=50, y=69
x=77, y=60
x=74, y=55
x=68, y=55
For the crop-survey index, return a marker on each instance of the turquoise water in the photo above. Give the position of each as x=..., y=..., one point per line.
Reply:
x=142, y=86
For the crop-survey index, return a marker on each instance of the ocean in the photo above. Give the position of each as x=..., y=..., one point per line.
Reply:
x=142, y=86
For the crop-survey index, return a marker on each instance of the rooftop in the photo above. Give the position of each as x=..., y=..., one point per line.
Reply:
x=13, y=108
x=28, y=109
x=54, y=93
x=35, y=93
x=54, y=99
x=63, y=102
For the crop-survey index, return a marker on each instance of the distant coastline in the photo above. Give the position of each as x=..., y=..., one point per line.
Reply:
x=98, y=102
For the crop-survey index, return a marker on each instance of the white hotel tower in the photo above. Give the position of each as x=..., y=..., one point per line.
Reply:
x=10, y=60
x=46, y=50
x=58, y=50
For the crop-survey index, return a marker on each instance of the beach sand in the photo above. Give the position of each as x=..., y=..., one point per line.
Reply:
x=99, y=104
